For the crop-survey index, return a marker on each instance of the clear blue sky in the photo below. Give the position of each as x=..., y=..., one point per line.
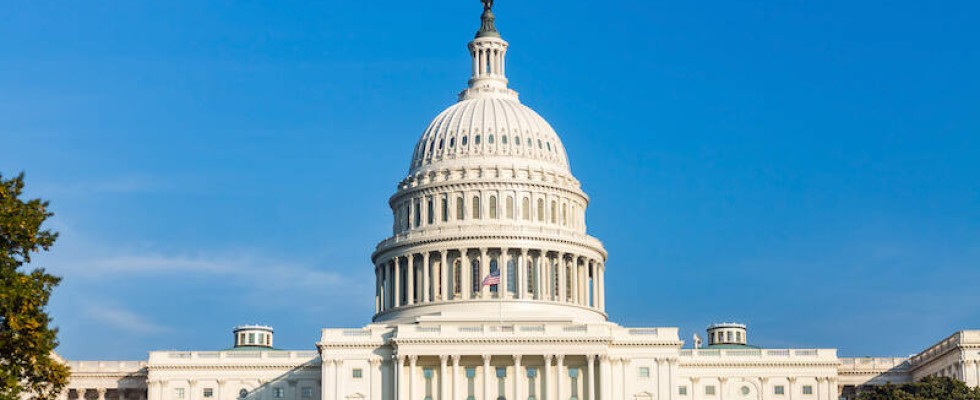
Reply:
x=811, y=168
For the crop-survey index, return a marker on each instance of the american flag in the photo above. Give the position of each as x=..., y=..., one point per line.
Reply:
x=492, y=279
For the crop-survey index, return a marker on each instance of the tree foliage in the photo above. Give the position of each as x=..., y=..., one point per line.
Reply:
x=28, y=367
x=933, y=388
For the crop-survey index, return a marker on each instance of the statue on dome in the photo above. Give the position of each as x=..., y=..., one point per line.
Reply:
x=487, y=4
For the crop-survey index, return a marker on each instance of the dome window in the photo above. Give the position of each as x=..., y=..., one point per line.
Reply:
x=441, y=142
x=452, y=142
x=539, y=144
x=503, y=139
x=517, y=140
x=549, y=146
x=464, y=141
x=530, y=143
x=476, y=140
x=490, y=139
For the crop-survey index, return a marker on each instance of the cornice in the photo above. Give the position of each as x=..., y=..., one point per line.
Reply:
x=518, y=185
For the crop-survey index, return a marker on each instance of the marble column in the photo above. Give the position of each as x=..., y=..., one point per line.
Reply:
x=443, y=378
x=560, y=371
x=375, y=376
x=486, y=377
x=546, y=392
x=426, y=279
x=396, y=270
x=522, y=277
x=484, y=271
x=518, y=381
x=502, y=289
x=456, y=383
x=410, y=281
x=466, y=273
x=605, y=378
x=411, y=376
x=589, y=386
x=444, y=276
x=399, y=364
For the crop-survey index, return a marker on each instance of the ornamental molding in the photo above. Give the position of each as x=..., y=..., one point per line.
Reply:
x=387, y=248
x=229, y=367
x=774, y=363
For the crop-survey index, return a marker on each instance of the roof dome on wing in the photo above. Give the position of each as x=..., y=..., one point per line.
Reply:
x=487, y=126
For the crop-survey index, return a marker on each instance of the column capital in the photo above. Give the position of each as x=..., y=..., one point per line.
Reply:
x=604, y=357
x=547, y=358
x=338, y=362
x=100, y=391
x=560, y=358
x=517, y=358
x=486, y=359
x=791, y=379
x=590, y=358
x=375, y=361
x=442, y=359
x=764, y=380
x=695, y=379
x=723, y=379
x=456, y=358
x=412, y=359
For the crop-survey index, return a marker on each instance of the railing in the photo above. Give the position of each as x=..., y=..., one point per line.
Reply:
x=481, y=229
x=218, y=355
x=645, y=332
x=759, y=353
x=356, y=332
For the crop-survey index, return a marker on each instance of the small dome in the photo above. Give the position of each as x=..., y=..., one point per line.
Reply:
x=490, y=127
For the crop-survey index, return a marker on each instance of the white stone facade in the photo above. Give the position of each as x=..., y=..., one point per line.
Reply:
x=490, y=197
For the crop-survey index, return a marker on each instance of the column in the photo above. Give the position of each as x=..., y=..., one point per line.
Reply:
x=339, y=372
x=426, y=279
x=502, y=265
x=444, y=276
x=410, y=281
x=101, y=392
x=399, y=361
x=764, y=388
x=593, y=301
x=791, y=387
x=625, y=363
x=443, y=378
x=615, y=389
x=518, y=382
x=602, y=287
x=605, y=378
x=575, y=279
x=486, y=377
x=456, y=395
x=377, y=289
x=396, y=269
x=722, y=384
x=695, y=394
x=672, y=376
x=152, y=390
x=546, y=393
x=522, y=277
x=467, y=274
x=589, y=386
x=542, y=268
x=819, y=388
x=121, y=393
x=411, y=376
x=560, y=367
x=192, y=389
x=375, y=376
x=562, y=266
x=484, y=271
x=663, y=376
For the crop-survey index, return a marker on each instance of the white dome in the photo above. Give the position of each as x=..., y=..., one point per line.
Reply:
x=483, y=127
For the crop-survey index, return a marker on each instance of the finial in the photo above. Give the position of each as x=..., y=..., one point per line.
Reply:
x=487, y=27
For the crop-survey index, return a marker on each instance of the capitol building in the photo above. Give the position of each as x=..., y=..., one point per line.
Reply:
x=491, y=288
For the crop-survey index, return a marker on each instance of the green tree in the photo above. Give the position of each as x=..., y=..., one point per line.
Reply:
x=932, y=388
x=27, y=366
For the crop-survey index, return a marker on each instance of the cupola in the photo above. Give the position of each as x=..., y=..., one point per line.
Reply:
x=727, y=333
x=253, y=336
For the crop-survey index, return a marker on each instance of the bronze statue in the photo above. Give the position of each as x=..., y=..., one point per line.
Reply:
x=487, y=4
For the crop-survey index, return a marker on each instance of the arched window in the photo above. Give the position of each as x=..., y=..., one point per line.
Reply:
x=460, y=209
x=517, y=140
x=493, y=268
x=564, y=214
x=490, y=139
x=554, y=212
x=568, y=282
x=452, y=142
x=441, y=142
x=418, y=213
x=526, y=209
x=539, y=143
x=531, y=274
x=549, y=146
x=493, y=207
x=530, y=144
x=503, y=139
x=464, y=141
x=476, y=140
x=445, y=208
x=541, y=210
x=476, y=207
x=511, y=276
x=475, y=275
x=431, y=211
x=554, y=279
x=457, y=278
x=510, y=207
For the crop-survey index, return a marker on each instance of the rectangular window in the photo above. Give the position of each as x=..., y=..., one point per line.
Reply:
x=208, y=393
x=278, y=393
x=779, y=390
x=682, y=390
x=307, y=393
x=807, y=389
x=709, y=390
x=357, y=373
x=179, y=393
x=470, y=383
x=532, y=374
x=644, y=372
